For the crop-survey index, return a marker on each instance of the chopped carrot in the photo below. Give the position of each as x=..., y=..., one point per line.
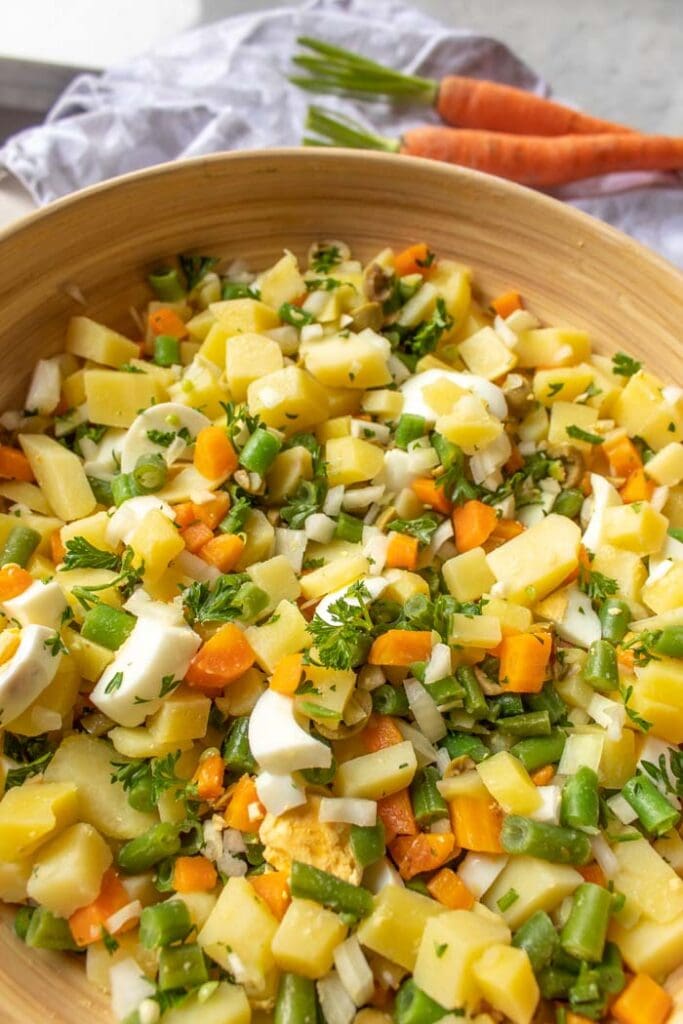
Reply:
x=626, y=659
x=14, y=465
x=515, y=461
x=593, y=873
x=396, y=814
x=194, y=874
x=273, y=888
x=429, y=493
x=402, y=551
x=13, y=581
x=210, y=512
x=57, y=549
x=196, y=535
x=643, y=1001
x=209, y=777
x=426, y=851
x=287, y=675
x=87, y=923
x=221, y=660
x=544, y=775
x=524, y=661
x=214, y=455
x=506, y=303
x=476, y=823
x=401, y=647
x=167, y=321
x=624, y=458
x=506, y=529
x=449, y=889
x=245, y=812
x=223, y=551
x=380, y=732
x=637, y=488
x=416, y=259
x=473, y=523
x=185, y=514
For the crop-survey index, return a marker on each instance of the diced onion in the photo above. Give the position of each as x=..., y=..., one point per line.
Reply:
x=45, y=387
x=333, y=500
x=581, y=749
x=659, y=498
x=621, y=809
x=292, y=544
x=337, y=1005
x=375, y=550
x=549, y=809
x=439, y=665
x=609, y=714
x=353, y=970
x=381, y=874
x=231, y=866
x=479, y=871
x=361, y=497
x=491, y=458
x=427, y=715
x=320, y=528
x=371, y=677
x=368, y=430
x=348, y=811
x=443, y=759
x=129, y=987
x=424, y=751
x=196, y=568
x=443, y=532
x=604, y=856
x=130, y=912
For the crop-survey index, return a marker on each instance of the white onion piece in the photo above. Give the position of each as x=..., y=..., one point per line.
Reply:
x=609, y=714
x=443, y=532
x=196, y=568
x=361, y=497
x=549, y=809
x=353, y=970
x=480, y=870
x=439, y=665
x=130, y=912
x=428, y=717
x=621, y=809
x=129, y=987
x=443, y=759
x=375, y=550
x=320, y=528
x=279, y=793
x=424, y=751
x=348, y=811
x=333, y=500
x=381, y=874
x=337, y=1005
x=374, y=586
x=292, y=544
x=604, y=856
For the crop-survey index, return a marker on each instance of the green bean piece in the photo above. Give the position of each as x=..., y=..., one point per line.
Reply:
x=22, y=921
x=123, y=487
x=143, y=852
x=311, y=883
x=107, y=626
x=569, y=502
x=475, y=701
x=547, y=842
x=554, y=982
x=532, y=723
x=254, y=849
x=615, y=616
x=580, y=807
x=413, y=1006
x=654, y=811
x=150, y=473
x=446, y=691
x=367, y=843
x=21, y=542
x=505, y=706
x=584, y=933
x=182, y=967
x=348, y=528
x=164, y=923
x=236, y=751
x=600, y=668
x=166, y=284
x=538, y=751
x=547, y=700
x=461, y=744
x=166, y=350
x=259, y=452
x=141, y=795
x=409, y=428
x=389, y=700
x=539, y=940
x=585, y=993
x=428, y=804
x=611, y=970
x=102, y=490
x=321, y=776
x=669, y=642
x=296, y=1001
x=253, y=600
x=46, y=931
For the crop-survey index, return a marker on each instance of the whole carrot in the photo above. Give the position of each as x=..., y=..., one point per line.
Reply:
x=460, y=101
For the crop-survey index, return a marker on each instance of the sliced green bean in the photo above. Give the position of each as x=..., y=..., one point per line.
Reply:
x=296, y=1001
x=259, y=452
x=310, y=883
x=349, y=528
x=109, y=627
x=46, y=931
x=182, y=967
x=166, y=350
x=367, y=843
x=475, y=701
x=409, y=428
x=585, y=931
x=413, y=1006
x=580, y=807
x=21, y=542
x=150, y=473
x=533, y=723
x=547, y=842
x=615, y=617
x=143, y=852
x=390, y=700
x=236, y=751
x=164, y=923
x=166, y=284
x=428, y=804
x=600, y=668
x=538, y=938
x=654, y=811
x=538, y=751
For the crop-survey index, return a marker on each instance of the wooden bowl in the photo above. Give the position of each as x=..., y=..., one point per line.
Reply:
x=570, y=269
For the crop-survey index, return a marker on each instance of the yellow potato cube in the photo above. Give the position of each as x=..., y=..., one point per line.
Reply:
x=442, y=394
x=514, y=618
x=307, y=938
x=665, y=593
x=534, y=426
x=115, y=399
x=570, y=414
x=450, y=945
x=383, y=403
x=468, y=576
x=184, y=715
x=335, y=574
x=333, y=689
x=486, y=354
x=286, y=633
x=93, y=528
x=248, y=357
x=666, y=467
x=395, y=926
x=637, y=527
x=666, y=721
x=282, y=282
x=227, y=1005
x=563, y=384
x=641, y=409
x=201, y=388
x=626, y=567
x=90, y=658
x=469, y=425
x=655, y=949
x=214, y=345
x=403, y=584
x=452, y=282
x=648, y=882
x=277, y=578
x=351, y=460
x=509, y=783
x=419, y=307
x=32, y=814
x=343, y=401
x=359, y=361
x=242, y=316
x=528, y=578
x=73, y=389
x=58, y=696
x=259, y=535
x=60, y=475
x=155, y=543
x=93, y=341
x=662, y=680
x=289, y=400
x=198, y=328
x=539, y=884
x=379, y=774
x=14, y=876
x=474, y=631
x=673, y=510
x=338, y=426
x=506, y=980
x=67, y=873
x=138, y=742
x=618, y=760
x=289, y=468
x=552, y=346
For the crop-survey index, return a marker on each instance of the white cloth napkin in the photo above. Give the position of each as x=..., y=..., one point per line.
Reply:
x=224, y=86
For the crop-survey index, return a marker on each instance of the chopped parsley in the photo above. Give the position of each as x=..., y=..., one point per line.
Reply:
x=420, y=341
x=598, y=586
x=114, y=683
x=347, y=641
x=322, y=284
x=166, y=438
x=669, y=776
x=55, y=645
x=579, y=434
x=158, y=773
x=294, y=315
x=625, y=366
x=81, y=554
x=642, y=723
x=195, y=268
x=324, y=258
x=423, y=527
x=310, y=494
x=227, y=599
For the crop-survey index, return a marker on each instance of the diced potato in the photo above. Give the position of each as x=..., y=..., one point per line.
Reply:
x=482, y=631
x=137, y=742
x=14, y=876
x=509, y=783
x=419, y=307
x=528, y=578
x=665, y=718
x=289, y=468
x=452, y=282
x=67, y=873
x=155, y=542
x=403, y=584
x=115, y=399
x=637, y=527
x=214, y=345
x=238, y=935
x=666, y=467
x=183, y=715
x=259, y=536
x=91, y=659
x=641, y=409
x=241, y=316
x=307, y=938
x=343, y=401
x=93, y=528
x=285, y=633
x=450, y=945
x=648, y=882
x=563, y=384
x=334, y=575
x=359, y=361
x=618, y=760
x=93, y=341
x=468, y=575
x=73, y=389
x=666, y=592
x=540, y=886
x=552, y=346
x=70, y=579
x=227, y=1005
x=282, y=282
x=442, y=394
x=333, y=688
x=21, y=493
x=86, y=762
x=351, y=460
x=289, y=400
x=58, y=696
x=505, y=978
x=469, y=425
x=649, y=947
x=277, y=578
x=534, y=426
x=382, y=403
x=200, y=905
x=670, y=847
x=673, y=510
x=395, y=926
x=485, y=354
x=379, y=774
x=248, y=357
x=513, y=618
x=198, y=327
x=241, y=696
x=571, y=414
x=626, y=567
x=340, y=426
x=60, y=475
x=32, y=814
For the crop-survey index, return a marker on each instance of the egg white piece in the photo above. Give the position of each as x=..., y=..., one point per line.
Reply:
x=414, y=401
x=41, y=604
x=167, y=417
x=278, y=742
x=28, y=672
x=603, y=496
x=279, y=793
